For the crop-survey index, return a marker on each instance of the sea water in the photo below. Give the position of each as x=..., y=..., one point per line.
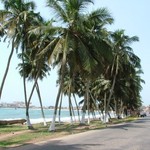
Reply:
x=35, y=114
x=36, y=117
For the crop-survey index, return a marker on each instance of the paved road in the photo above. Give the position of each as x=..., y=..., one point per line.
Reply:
x=129, y=136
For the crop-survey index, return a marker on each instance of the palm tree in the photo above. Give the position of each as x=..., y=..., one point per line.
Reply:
x=18, y=17
x=33, y=70
x=96, y=37
x=73, y=47
x=123, y=55
x=3, y=16
x=133, y=84
x=68, y=12
x=69, y=90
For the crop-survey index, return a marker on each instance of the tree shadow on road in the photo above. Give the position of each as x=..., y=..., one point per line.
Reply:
x=55, y=145
x=140, y=123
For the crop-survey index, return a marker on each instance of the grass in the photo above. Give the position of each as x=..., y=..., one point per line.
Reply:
x=116, y=121
x=20, y=135
x=11, y=128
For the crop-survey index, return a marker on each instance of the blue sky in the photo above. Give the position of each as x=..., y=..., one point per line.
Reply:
x=130, y=15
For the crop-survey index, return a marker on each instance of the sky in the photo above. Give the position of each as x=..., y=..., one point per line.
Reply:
x=130, y=15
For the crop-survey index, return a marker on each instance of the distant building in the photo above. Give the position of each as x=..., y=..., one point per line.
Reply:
x=16, y=104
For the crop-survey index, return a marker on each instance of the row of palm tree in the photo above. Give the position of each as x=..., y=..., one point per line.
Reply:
x=93, y=63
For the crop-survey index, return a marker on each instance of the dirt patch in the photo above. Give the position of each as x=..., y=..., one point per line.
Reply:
x=11, y=134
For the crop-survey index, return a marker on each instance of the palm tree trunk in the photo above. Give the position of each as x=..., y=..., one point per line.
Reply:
x=29, y=100
x=122, y=109
x=116, y=110
x=113, y=85
x=70, y=104
x=33, y=88
x=52, y=126
x=73, y=112
x=7, y=68
x=84, y=110
x=29, y=125
x=86, y=104
x=70, y=110
x=111, y=92
x=27, y=107
x=95, y=103
x=41, y=105
x=105, y=109
x=87, y=96
x=77, y=107
x=25, y=96
x=59, y=114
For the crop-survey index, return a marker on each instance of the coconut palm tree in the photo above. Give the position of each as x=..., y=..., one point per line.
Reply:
x=18, y=17
x=69, y=90
x=74, y=48
x=123, y=55
x=3, y=31
x=33, y=70
x=133, y=84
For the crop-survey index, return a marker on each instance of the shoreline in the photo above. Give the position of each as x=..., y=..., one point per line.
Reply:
x=62, y=119
x=12, y=113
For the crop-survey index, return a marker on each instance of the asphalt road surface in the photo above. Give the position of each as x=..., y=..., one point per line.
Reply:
x=128, y=136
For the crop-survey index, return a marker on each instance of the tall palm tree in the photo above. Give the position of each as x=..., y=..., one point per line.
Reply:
x=123, y=55
x=34, y=70
x=3, y=31
x=18, y=18
x=73, y=48
x=96, y=37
